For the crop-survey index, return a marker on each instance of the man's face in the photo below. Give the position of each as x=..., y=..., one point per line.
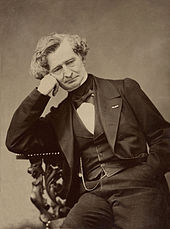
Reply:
x=67, y=67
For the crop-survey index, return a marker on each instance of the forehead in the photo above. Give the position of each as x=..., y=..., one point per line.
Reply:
x=63, y=53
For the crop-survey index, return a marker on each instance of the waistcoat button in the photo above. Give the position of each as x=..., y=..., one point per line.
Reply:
x=115, y=203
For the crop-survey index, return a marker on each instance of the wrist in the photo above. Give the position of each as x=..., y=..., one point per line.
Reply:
x=43, y=91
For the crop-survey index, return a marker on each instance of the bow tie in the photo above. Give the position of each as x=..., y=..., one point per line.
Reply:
x=84, y=98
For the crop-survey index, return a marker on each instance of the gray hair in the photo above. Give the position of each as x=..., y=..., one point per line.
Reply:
x=48, y=44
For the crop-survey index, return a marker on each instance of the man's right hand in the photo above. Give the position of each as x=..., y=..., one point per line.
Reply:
x=47, y=85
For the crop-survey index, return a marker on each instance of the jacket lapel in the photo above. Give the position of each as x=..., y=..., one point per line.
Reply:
x=109, y=105
x=64, y=130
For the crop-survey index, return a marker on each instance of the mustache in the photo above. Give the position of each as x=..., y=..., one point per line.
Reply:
x=70, y=79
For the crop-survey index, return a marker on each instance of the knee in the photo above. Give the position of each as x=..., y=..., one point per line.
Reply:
x=90, y=211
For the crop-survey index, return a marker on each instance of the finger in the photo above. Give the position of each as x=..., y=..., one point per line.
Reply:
x=55, y=90
x=51, y=74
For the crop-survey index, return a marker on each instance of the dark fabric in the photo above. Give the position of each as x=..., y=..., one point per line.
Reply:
x=91, y=212
x=81, y=94
x=85, y=98
x=138, y=199
x=128, y=117
x=96, y=154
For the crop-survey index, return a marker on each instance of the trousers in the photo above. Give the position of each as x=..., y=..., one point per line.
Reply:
x=135, y=198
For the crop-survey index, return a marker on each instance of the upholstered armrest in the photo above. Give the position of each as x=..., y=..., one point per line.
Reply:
x=33, y=155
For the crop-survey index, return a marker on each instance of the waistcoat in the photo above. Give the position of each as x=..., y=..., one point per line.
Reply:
x=94, y=150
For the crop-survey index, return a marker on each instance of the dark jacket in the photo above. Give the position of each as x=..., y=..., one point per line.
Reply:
x=129, y=119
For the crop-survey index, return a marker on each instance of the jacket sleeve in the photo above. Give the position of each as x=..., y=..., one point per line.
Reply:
x=28, y=132
x=153, y=125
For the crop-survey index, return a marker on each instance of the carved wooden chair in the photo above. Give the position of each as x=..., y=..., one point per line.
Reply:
x=47, y=187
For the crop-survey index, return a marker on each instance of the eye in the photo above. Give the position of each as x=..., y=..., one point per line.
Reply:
x=57, y=69
x=70, y=62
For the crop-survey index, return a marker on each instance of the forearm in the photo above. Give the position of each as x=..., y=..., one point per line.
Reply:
x=159, y=149
x=22, y=128
x=153, y=125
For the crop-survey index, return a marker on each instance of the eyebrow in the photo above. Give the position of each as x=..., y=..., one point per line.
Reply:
x=56, y=68
x=60, y=66
x=72, y=59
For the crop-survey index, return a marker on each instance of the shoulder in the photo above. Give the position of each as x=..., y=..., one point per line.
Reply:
x=125, y=83
x=120, y=84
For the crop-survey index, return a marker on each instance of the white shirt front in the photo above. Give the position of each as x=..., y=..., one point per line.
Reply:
x=86, y=113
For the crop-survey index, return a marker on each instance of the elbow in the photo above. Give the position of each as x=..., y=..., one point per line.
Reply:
x=8, y=143
x=11, y=144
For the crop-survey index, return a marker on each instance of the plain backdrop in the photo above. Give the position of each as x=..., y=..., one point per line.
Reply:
x=127, y=38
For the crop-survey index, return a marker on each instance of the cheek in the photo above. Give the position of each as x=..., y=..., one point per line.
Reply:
x=59, y=78
x=80, y=68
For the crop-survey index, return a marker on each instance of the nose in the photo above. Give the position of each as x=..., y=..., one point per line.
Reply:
x=66, y=71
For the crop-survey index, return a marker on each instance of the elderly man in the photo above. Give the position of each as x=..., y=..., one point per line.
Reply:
x=108, y=131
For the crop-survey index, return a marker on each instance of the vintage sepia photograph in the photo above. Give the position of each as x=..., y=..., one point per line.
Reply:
x=85, y=114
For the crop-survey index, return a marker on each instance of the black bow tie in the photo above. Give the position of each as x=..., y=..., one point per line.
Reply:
x=83, y=93
x=77, y=101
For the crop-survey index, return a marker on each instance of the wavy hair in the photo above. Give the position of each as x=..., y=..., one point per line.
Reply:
x=39, y=65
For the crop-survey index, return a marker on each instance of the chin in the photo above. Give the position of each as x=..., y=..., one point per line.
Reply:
x=70, y=88
x=73, y=87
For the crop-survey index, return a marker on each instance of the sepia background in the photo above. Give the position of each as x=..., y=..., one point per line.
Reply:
x=127, y=38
